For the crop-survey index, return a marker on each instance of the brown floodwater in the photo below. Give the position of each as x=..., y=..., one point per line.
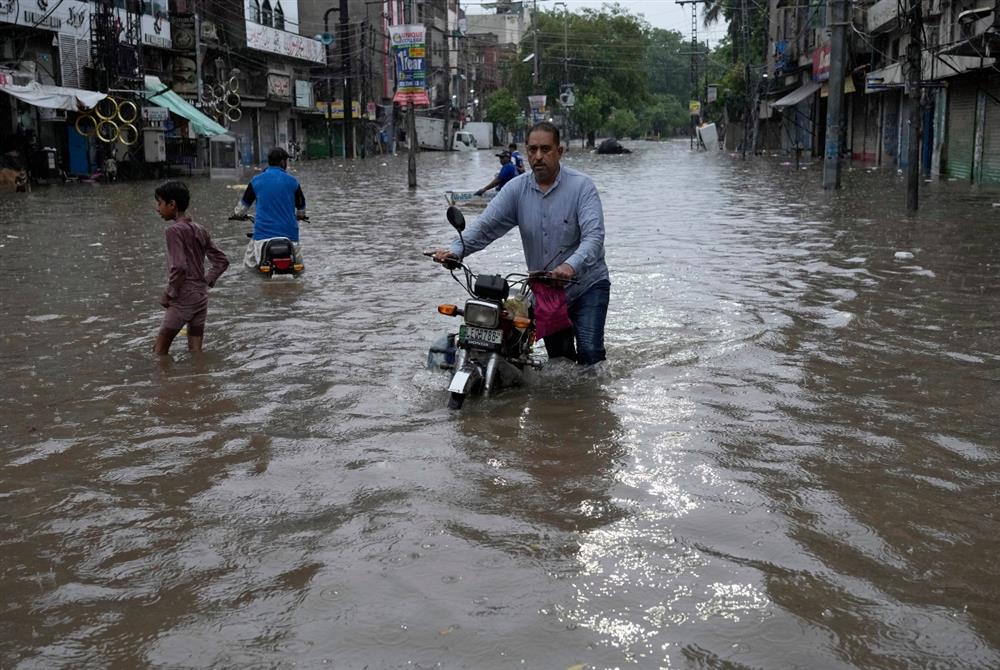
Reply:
x=790, y=459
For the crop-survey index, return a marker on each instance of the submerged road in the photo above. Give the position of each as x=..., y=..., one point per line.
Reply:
x=790, y=459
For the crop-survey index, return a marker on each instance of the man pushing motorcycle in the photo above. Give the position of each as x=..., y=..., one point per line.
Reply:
x=559, y=215
x=280, y=206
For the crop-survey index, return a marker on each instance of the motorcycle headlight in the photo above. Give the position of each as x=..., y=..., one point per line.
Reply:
x=482, y=314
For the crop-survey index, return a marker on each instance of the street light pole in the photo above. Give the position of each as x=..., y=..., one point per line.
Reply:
x=329, y=84
x=565, y=86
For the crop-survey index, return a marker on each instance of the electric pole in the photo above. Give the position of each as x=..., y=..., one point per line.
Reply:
x=913, y=60
x=411, y=118
x=534, y=75
x=345, y=61
x=694, y=59
x=835, y=103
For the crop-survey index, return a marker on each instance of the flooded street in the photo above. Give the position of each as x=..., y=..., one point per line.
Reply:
x=790, y=459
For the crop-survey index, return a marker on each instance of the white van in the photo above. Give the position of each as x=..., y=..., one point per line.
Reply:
x=464, y=141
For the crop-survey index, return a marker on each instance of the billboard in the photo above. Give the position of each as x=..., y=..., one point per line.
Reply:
x=409, y=48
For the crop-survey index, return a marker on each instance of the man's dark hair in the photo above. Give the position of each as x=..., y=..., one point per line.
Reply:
x=176, y=192
x=512, y=146
x=276, y=155
x=546, y=127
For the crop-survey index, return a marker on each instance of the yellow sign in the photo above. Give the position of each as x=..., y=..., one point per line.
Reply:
x=417, y=52
x=337, y=110
x=694, y=108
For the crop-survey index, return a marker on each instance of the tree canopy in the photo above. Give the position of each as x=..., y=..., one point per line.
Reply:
x=628, y=77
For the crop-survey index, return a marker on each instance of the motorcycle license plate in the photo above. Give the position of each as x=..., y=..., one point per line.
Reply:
x=488, y=336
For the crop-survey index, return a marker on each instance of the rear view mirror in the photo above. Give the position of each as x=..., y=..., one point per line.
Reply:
x=456, y=218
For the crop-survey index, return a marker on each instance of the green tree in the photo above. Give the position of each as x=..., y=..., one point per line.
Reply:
x=668, y=62
x=587, y=115
x=623, y=123
x=502, y=109
x=666, y=116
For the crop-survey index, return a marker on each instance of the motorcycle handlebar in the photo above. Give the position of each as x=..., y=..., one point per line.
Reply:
x=451, y=262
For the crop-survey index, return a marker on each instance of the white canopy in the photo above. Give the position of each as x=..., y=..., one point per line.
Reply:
x=55, y=97
x=797, y=96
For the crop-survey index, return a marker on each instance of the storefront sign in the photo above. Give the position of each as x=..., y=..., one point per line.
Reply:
x=821, y=63
x=185, y=76
x=155, y=114
x=279, y=86
x=68, y=17
x=411, y=64
x=284, y=43
x=304, y=96
x=337, y=110
x=155, y=30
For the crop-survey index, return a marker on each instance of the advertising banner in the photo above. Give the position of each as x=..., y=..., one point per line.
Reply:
x=537, y=105
x=408, y=45
x=821, y=63
x=337, y=110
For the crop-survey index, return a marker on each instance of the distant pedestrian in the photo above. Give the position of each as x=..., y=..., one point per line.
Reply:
x=516, y=158
x=507, y=172
x=188, y=245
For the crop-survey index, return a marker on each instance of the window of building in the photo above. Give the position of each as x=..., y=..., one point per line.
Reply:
x=279, y=16
x=255, y=11
x=266, y=15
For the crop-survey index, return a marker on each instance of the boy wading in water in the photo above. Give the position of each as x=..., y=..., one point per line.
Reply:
x=188, y=244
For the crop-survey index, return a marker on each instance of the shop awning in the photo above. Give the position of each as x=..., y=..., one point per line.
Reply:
x=796, y=96
x=159, y=94
x=932, y=68
x=55, y=97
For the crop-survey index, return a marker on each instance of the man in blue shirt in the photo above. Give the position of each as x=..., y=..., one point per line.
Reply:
x=558, y=212
x=515, y=157
x=280, y=206
x=507, y=172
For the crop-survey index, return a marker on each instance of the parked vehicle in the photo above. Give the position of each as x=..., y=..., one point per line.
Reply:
x=431, y=135
x=493, y=345
x=277, y=254
x=464, y=141
x=482, y=131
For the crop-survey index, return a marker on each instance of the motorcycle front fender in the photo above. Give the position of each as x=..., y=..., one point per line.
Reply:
x=465, y=380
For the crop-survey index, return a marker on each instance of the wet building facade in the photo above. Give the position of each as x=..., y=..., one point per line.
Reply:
x=960, y=136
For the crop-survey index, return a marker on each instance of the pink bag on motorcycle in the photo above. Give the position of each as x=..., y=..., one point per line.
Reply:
x=551, y=308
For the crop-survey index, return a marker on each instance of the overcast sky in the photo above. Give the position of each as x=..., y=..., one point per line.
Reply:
x=665, y=14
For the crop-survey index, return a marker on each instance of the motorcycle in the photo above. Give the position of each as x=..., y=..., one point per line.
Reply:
x=493, y=346
x=277, y=254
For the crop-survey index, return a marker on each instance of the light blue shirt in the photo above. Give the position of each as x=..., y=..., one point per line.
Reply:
x=563, y=225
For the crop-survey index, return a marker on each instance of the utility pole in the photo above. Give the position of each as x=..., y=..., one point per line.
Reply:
x=411, y=118
x=694, y=58
x=565, y=95
x=345, y=61
x=913, y=59
x=536, y=87
x=835, y=103
x=329, y=81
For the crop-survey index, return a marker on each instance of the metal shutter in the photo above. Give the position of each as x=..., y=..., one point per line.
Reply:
x=961, y=136
x=268, y=131
x=74, y=56
x=991, y=136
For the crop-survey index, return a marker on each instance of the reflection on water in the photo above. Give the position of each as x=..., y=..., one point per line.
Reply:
x=789, y=460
